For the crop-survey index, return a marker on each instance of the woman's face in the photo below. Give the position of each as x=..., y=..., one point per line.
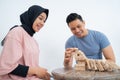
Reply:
x=39, y=22
x=77, y=27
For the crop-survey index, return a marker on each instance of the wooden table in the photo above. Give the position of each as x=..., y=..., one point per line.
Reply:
x=71, y=74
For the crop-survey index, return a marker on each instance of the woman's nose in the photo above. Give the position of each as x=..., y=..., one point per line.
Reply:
x=42, y=23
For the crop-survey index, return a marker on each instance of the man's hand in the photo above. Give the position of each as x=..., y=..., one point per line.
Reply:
x=68, y=60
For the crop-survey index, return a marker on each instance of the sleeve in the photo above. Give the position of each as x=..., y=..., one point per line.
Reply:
x=21, y=70
x=11, y=53
x=69, y=43
x=103, y=41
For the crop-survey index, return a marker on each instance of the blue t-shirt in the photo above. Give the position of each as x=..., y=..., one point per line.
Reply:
x=91, y=45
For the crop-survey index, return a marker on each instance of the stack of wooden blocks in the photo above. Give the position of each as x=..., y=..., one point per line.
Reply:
x=83, y=63
x=80, y=61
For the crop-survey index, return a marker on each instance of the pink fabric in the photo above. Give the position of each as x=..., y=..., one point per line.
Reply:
x=19, y=48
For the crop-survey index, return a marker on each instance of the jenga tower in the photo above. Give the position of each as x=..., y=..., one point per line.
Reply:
x=80, y=66
x=80, y=61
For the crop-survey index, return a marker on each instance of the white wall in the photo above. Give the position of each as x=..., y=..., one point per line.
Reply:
x=101, y=15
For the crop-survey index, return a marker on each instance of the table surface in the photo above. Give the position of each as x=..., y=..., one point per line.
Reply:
x=71, y=74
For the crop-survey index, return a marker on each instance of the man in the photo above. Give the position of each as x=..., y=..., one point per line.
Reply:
x=92, y=43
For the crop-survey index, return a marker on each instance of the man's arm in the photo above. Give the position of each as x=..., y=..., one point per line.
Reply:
x=108, y=53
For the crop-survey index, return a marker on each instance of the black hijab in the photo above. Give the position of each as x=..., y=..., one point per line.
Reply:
x=28, y=17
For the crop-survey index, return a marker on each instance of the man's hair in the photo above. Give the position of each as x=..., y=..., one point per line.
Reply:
x=73, y=16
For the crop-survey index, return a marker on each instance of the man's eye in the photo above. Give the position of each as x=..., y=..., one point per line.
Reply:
x=79, y=26
x=72, y=28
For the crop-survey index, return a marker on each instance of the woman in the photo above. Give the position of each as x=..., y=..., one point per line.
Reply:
x=20, y=54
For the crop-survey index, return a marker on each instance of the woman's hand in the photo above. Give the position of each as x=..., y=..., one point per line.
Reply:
x=39, y=72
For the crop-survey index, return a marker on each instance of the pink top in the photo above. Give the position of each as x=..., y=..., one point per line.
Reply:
x=19, y=48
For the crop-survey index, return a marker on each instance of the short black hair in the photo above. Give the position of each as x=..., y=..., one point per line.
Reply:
x=73, y=16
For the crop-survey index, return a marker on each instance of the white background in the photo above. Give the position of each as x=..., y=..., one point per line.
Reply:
x=101, y=15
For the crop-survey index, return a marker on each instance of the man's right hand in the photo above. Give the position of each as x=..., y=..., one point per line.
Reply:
x=68, y=59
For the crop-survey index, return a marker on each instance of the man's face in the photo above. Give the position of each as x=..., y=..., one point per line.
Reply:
x=78, y=28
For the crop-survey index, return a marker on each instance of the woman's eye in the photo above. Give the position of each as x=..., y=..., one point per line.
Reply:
x=40, y=18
